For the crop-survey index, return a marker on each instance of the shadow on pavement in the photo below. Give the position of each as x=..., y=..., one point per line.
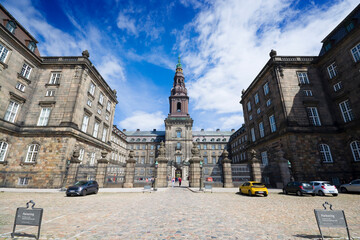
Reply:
x=313, y=236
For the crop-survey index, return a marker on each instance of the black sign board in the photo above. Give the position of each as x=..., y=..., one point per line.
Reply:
x=331, y=219
x=28, y=216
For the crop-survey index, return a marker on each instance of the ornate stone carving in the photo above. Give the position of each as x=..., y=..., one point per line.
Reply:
x=195, y=151
x=86, y=54
x=161, y=151
x=272, y=53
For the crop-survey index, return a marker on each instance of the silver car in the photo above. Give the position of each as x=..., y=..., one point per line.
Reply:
x=323, y=187
x=353, y=186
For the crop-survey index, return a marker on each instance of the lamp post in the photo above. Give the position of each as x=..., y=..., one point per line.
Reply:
x=201, y=166
x=156, y=174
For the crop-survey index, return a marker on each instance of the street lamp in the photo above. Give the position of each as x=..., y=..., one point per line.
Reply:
x=156, y=169
x=201, y=166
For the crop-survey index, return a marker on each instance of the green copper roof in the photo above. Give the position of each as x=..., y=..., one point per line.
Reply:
x=179, y=63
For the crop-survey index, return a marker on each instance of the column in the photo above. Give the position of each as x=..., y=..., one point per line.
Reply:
x=161, y=179
x=227, y=173
x=194, y=172
x=101, y=169
x=255, y=166
x=130, y=171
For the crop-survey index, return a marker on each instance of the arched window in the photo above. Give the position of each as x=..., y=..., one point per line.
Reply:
x=3, y=148
x=204, y=140
x=218, y=140
x=138, y=140
x=32, y=153
x=224, y=140
x=132, y=140
x=198, y=139
x=355, y=149
x=152, y=139
x=212, y=140
x=144, y=140
x=325, y=153
x=178, y=107
x=178, y=133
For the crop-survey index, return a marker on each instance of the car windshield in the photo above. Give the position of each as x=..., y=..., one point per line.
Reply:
x=257, y=184
x=306, y=185
x=80, y=183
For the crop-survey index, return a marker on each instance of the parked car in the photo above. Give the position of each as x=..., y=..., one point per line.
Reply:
x=299, y=188
x=253, y=188
x=353, y=186
x=323, y=187
x=82, y=188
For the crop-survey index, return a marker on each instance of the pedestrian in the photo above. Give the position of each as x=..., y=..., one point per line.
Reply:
x=179, y=181
x=173, y=182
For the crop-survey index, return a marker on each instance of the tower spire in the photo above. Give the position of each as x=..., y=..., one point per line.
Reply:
x=178, y=65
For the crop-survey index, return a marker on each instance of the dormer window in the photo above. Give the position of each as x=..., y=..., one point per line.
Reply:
x=350, y=26
x=32, y=46
x=11, y=26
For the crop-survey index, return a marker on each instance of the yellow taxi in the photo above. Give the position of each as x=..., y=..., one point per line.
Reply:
x=253, y=188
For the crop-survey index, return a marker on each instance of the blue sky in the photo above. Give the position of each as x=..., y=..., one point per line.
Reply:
x=223, y=45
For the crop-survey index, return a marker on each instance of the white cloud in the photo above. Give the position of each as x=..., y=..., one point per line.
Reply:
x=143, y=121
x=111, y=70
x=126, y=23
x=231, y=121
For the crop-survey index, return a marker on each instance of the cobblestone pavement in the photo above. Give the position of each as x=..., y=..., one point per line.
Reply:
x=178, y=213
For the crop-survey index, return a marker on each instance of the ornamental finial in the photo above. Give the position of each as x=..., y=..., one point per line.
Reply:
x=178, y=65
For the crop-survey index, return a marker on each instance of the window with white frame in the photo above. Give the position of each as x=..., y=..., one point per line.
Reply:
x=32, y=153
x=303, y=78
x=332, y=70
x=99, y=111
x=325, y=153
x=11, y=111
x=256, y=98
x=266, y=88
x=264, y=158
x=101, y=98
x=107, y=117
x=261, y=129
x=258, y=111
x=178, y=159
x=11, y=26
x=313, y=116
x=178, y=134
x=272, y=123
x=249, y=106
x=20, y=86
x=32, y=46
x=3, y=53
x=108, y=106
x=92, y=89
x=104, y=134
x=307, y=93
x=268, y=102
x=96, y=129
x=250, y=117
x=81, y=154
x=23, y=181
x=85, y=123
x=92, y=158
x=355, y=149
x=50, y=93
x=355, y=51
x=89, y=102
x=337, y=86
x=3, y=149
x=25, y=71
x=346, y=111
x=253, y=134
x=55, y=78
x=44, y=116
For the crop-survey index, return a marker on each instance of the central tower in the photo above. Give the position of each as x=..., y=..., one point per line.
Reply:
x=178, y=127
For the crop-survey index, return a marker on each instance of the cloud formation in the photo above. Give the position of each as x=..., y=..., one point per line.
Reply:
x=144, y=121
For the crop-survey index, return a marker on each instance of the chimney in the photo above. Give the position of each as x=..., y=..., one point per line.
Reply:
x=202, y=129
x=154, y=130
x=218, y=130
x=124, y=130
x=233, y=130
x=138, y=130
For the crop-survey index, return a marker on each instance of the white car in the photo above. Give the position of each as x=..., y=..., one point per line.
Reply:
x=323, y=187
x=353, y=186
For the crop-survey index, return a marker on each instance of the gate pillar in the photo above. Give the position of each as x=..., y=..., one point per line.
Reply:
x=161, y=171
x=256, y=174
x=130, y=171
x=195, y=171
x=101, y=169
x=227, y=174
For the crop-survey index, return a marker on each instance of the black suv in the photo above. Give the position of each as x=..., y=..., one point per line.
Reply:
x=82, y=188
x=300, y=188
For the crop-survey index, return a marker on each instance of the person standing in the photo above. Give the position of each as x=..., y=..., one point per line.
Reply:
x=179, y=181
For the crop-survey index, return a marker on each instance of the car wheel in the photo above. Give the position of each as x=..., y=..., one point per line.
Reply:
x=285, y=192
x=83, y=193
x=96, y=191
x=313, y=194
x=343, y=190
x=250, y=194
x=335, y=194
x=298, y=193
x=321, y=193
x=265, y=194
x=68, y=195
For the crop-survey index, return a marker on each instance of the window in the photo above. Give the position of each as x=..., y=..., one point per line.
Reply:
x=101, y=98
x=313, y=116
x=249, y=106
x=107, y=117
x=213, y=147
x=81, y=154
x=250, y=117
x=11, y=26
x=253, y=134
x=178, y=146
x=272, y=123
x=32, y=46
x=205, y=160
x=92, y=88
x=25, y=71
x=307, y=93
x=143, y=147
x=99, y=111
x=325, y=153
x=24, y=181
x=108, y=106
x=178, y=159
x=268, y=102
x=104, y=134
x=328, y=46
x=355, y=51
x=50, y=93
x=11, y=111
x=55, y=78
x=89, y=102
x=355, y=149
x=264, y=158
x=337, y=86
x=350, y=26
x=85, y=123
x=32, y=153
x=96, y=130
x=151, y=147
x=178, y=107
x=261, y=130
x=266, y=88
x=256, y=98
x=3, y=149
x=44, y=116
x=178, y=134
x=258, y=111
x=303, y=78
x=92, y=159
x=205, y=147
x=213, y=160
x=20, y=87
x=346, y=111
x=151, y=159
x=3, y=53
x=142, y=160
x=332, y=70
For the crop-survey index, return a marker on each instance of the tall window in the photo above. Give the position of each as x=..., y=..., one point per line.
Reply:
x=346, y=111
x=3, y=53
x=3, y=148
x=104, y=134
x=92, y=88
x=261, y=130
x=178, y=107
x=264, y=158
x=266, y=88
x=332, y=70
x=55, y=78
x=253, y=134
x=206, y=160
x=96, y=129
x=256, y=98
x=25, y=71
x=213, y=160
x=108, y=106
x=303, y=78
x=44, y=116
x=249, y=106
x=268, y=102
x=272, y=123
x=178, y=146
x=178, y=159
x=325, y=153
x=32, y=153
x=205, y=147
x=355, y=51
x=85, y=123
x=81, y=154
x=337, y=86
x=101, y=98
x=92, y=159
x=178, y=134
x=355, y=149
x=11, y=111
x=313, y=116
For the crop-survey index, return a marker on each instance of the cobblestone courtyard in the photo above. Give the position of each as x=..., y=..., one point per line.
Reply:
x=178, y=214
